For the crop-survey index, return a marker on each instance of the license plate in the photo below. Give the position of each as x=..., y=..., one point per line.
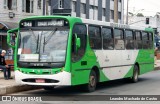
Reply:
x=40, y=81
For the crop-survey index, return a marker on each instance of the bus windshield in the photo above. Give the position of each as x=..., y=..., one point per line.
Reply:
x=47, y=46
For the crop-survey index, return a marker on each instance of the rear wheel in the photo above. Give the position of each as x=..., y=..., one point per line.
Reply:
x=91, y=86
x=48, y=88
x=135, y=74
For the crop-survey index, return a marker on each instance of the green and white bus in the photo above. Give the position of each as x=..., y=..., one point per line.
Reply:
x=54, y=51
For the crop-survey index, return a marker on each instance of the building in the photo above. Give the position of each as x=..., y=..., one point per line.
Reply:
x=103, y=10
x=149, y=21
x=12, y=11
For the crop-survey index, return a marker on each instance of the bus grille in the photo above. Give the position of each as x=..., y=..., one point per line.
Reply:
x=46, y=80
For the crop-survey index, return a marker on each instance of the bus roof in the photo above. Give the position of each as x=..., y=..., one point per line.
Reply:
x=51, y=16
x=115, y=25
x=93, y=22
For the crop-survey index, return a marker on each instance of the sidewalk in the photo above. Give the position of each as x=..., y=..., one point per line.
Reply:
x=10, y=86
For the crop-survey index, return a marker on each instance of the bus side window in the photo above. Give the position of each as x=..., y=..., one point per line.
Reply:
x=129, y=39
x=150, y=40
x=81, y=31
x=119, y=39
x=145, y=38
x=108, y=42
x=95, y=37
x=138, y=42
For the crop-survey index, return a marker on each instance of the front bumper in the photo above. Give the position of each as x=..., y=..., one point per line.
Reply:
x=62, y=78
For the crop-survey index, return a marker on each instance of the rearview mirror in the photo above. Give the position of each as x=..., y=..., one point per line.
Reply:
x=78, y=42
x=10, y=34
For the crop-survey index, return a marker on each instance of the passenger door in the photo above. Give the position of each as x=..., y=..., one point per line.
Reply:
x=78, y=57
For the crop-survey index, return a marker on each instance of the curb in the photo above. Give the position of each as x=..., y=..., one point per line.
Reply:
x=16, y=88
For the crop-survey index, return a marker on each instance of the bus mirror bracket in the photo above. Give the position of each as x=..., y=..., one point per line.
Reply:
x=9, y=41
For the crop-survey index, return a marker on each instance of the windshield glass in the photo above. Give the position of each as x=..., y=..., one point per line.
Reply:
x=43, y=46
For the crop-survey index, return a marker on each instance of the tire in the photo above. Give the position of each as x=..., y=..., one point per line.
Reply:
x=91, y=86
x=135, y=74
x=48, y=88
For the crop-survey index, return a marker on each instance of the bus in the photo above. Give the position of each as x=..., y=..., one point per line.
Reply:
x=54, y=51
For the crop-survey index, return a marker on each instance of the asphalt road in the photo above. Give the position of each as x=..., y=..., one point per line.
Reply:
x=149, y=84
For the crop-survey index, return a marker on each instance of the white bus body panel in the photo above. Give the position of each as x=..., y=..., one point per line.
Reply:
x=64, y=78
x=116, y=63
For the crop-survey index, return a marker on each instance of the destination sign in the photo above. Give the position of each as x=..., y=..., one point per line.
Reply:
x=51, y=23
x=44, y=23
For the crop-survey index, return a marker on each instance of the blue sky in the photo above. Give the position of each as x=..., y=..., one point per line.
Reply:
x=147, y=7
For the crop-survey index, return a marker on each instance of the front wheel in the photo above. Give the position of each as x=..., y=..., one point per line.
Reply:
x=91, y=86
x=135, y=74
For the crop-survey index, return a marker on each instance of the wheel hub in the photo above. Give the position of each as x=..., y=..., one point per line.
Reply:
x=92, y=81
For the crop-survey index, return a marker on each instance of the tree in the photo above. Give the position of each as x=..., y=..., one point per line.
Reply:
x=130, y=13
x=140, y=15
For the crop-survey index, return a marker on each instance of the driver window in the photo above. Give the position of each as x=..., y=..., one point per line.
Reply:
x=81, y=32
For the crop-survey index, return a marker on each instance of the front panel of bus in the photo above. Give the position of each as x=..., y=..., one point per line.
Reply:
x=42, y=51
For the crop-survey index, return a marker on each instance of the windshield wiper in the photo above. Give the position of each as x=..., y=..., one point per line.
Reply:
x=37, y=45
x=44, y=44
x=48, y=38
